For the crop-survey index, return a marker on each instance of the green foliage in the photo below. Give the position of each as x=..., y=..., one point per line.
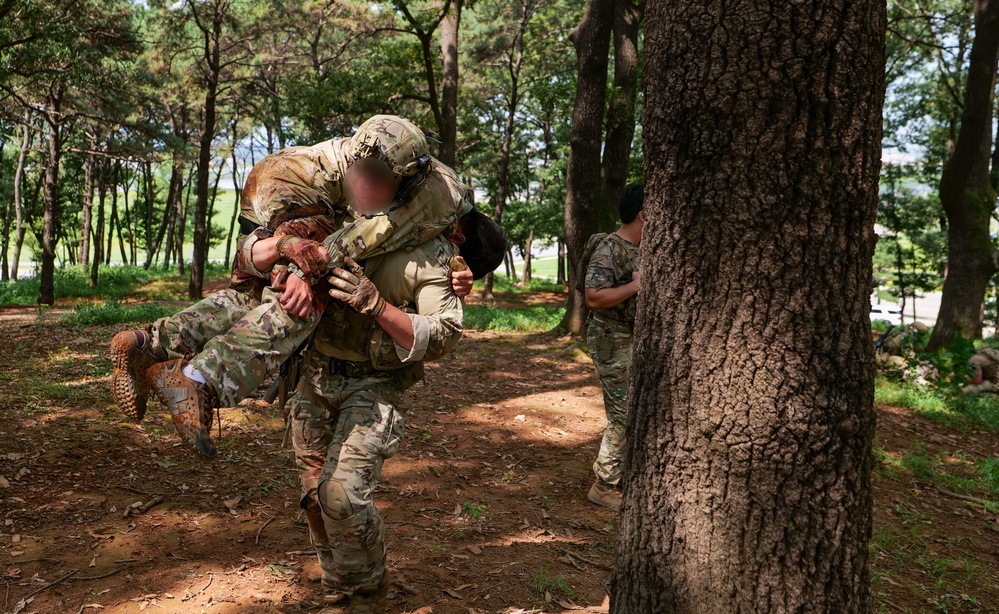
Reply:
x=519, y=319
x=951, y=363
x=113, y=312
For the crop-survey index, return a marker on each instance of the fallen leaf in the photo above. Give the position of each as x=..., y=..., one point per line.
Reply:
x=22, y=604
x=93, y=562
x=231, y=504
x=475, y=550
x=16, y=552
x=166, y=464
x=453, y=594
x=5, y=484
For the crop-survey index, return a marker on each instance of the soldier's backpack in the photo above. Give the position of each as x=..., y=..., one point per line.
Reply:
x=584, y=259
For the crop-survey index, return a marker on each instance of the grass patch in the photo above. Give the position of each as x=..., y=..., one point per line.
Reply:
x=502, y=283
x=112, y=282
x=113, y=312
x=951, y=408
x=551, y=586
x=520, y=319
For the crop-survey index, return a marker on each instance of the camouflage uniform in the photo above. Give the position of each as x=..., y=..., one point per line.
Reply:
x=608, y=337
x=346, y=416
x=243, y=334
x=987, y=359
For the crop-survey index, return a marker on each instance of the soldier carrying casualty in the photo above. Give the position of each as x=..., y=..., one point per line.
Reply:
x=219, y=350
x=611, y=281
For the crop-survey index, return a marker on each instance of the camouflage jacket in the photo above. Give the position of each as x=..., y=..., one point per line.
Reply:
x=417, y=280
x=612, y=264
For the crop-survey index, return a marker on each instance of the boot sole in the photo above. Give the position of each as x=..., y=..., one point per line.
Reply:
x=191, y=432
x=129, y=387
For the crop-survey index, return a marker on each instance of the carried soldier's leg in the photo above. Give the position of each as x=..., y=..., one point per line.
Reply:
x=611, y=354
x=369, y=429
x=229, y=367
x=186, y=332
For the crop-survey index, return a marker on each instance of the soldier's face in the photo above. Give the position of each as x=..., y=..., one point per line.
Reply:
x=371, y=189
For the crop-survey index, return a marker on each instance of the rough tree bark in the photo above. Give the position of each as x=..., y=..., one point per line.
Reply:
x=966, y=192
x=583, y=193
x=749, y=489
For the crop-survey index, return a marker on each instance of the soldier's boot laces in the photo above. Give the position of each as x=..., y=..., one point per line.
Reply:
x=191, y=404
x=604, y=495
x=370, y=599
x=132, y=354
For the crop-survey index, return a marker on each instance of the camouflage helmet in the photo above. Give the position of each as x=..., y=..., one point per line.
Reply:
x=394, y=140
x=917, y=327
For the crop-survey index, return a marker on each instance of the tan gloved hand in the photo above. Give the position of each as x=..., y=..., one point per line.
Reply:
x=310, y=256
x=355, y=289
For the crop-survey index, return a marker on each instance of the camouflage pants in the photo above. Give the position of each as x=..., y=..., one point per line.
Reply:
x=236, y=340
x=610, y=348
x=983, y=388
x=342, y=430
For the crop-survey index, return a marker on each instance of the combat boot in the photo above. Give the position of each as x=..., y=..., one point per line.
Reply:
x=132, y=353
x=605, y=495
x=190, y=403
x=370, y=599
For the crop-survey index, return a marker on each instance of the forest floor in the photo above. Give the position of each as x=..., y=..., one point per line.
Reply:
x=485, y=504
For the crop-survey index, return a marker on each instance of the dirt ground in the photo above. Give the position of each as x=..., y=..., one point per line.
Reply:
x=484, y=505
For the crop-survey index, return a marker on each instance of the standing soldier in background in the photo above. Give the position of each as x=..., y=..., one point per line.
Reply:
x=611, y=283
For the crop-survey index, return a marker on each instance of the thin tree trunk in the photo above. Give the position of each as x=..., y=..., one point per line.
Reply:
x=527, y=257
x=560, y=275
x=113, y=218
x=53, y=117
x=966, y=192
x=583, y=195
x=201, y=223
x=88, y=202
x=752, y=381
x=237, y=188
x=18, y=200
x=182, y=208
x=149, y=191
x=102, y=191
x=515, y=60
x=621, y=107
x=449, y=84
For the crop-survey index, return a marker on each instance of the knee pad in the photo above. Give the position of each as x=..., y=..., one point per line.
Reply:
x=333, y=500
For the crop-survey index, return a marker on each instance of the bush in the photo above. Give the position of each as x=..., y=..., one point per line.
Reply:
x=113, y=312
x=521, y=319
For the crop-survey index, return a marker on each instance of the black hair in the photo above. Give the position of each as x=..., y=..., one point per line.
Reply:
x=631, y=202
x=485, y=243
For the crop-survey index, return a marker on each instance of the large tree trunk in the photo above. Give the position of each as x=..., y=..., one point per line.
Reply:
x=583, y=193
x=749, y=489
x=449, y=84
x=966, y=192
x=621, y=108
x=53, y=117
